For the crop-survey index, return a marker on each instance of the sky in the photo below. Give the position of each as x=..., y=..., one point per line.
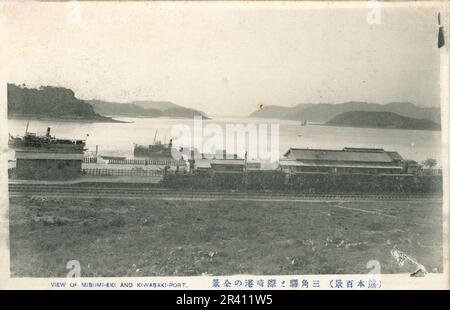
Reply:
x=224, y=59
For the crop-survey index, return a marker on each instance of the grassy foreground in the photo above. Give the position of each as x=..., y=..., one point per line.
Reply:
x=145, y=237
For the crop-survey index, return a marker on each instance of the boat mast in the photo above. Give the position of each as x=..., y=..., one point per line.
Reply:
x=154, y=139
x=26, y=129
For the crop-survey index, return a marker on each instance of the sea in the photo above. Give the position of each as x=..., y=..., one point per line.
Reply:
x=118, y=139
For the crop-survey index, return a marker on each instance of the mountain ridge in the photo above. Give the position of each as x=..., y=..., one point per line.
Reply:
x=323, y=112
x=144, y=108
x=387, y=120
x=49, y=102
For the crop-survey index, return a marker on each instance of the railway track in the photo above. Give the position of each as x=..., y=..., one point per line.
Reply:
x=123, y=191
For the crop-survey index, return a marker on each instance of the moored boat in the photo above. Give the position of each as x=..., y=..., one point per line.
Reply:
x=45, y=143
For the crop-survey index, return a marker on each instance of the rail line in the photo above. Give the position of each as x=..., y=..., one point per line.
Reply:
x=156, y=192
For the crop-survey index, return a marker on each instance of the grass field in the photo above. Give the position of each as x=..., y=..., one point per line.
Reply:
x=144, y=237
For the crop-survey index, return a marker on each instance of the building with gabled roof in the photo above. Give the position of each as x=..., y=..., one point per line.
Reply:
x=46, y=157
x=347, y=160
x=220, y=165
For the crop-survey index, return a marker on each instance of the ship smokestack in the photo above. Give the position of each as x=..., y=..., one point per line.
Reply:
x=191, y=162
x=48, y=132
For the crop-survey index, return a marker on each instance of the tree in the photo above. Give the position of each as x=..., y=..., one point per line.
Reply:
x=429, y=163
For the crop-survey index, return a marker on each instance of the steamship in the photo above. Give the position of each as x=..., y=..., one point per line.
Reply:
x=46, y=143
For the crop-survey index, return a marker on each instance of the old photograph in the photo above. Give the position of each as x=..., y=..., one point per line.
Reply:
x=215, y=139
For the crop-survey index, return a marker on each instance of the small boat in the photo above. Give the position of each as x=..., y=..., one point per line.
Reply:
x=304, y=123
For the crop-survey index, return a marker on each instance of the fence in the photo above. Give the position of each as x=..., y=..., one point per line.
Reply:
x=431, y=172
x=90, y=160
x=122, y=172
x=143, y=162
x=309, y=182
x=146, y=162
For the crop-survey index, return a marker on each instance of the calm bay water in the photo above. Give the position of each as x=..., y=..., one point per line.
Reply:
x=117, y=138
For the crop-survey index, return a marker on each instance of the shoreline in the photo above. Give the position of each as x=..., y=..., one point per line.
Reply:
x=152, y=117
x=387, y=128
x=63, y=119
x=338, y=125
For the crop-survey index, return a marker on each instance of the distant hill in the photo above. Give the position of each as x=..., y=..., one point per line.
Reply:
x=144, y=109
x=49, y=102
x=123, y=109
x=323, y=112
x=159, y=105
x=183, y=112
x=381, y=120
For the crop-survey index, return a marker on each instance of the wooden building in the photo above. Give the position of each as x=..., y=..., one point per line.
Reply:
x=220, y=165
x=48, y=165
x=345, y=161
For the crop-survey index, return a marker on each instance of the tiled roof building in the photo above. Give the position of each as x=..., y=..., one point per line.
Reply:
x=347, y=160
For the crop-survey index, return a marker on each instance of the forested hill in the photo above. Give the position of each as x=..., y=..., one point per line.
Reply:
x=49, y=102
x=145, y=109
x=381, y=120
x=323, y=112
